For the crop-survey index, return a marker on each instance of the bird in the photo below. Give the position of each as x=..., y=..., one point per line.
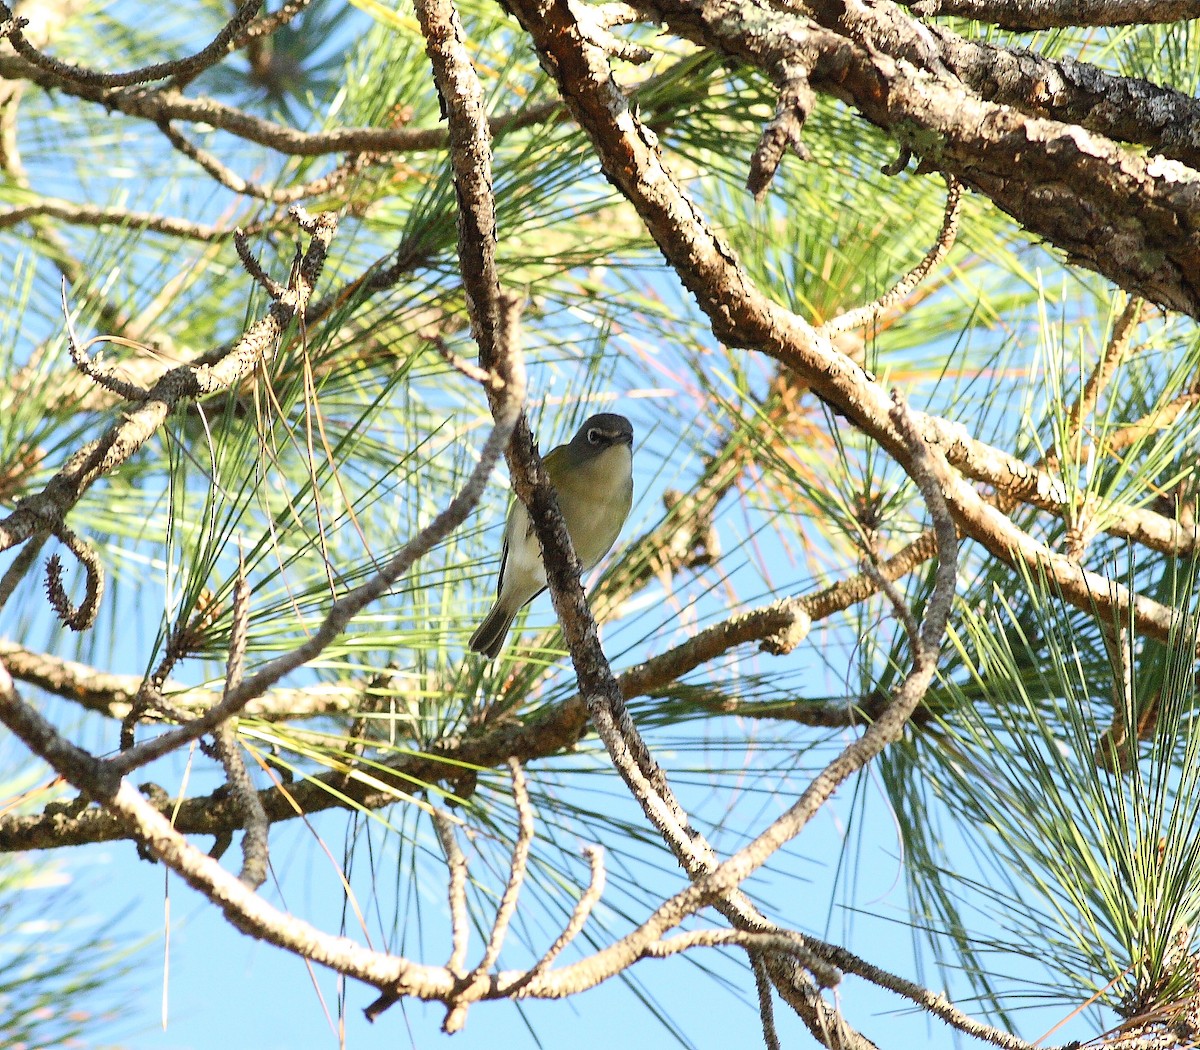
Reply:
x=593, y=477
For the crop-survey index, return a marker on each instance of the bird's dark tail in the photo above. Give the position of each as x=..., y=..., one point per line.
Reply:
x=489, y=636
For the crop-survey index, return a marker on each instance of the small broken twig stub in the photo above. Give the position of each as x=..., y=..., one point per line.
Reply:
x=796, y=101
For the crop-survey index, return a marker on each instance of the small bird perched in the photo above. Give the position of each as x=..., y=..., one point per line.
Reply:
x=593, y=477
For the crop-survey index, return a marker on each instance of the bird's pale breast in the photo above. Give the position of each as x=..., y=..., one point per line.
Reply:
x=596, y=498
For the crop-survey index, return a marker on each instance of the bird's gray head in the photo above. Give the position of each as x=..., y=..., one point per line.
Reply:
x=599, y=432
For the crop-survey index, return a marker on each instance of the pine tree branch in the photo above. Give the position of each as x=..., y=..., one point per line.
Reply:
x=1112, y=210
x=1033, y=15
x=13, y=28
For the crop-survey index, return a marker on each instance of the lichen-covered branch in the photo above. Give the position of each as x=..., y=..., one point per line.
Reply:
x=14, y=28
x=1030, y=15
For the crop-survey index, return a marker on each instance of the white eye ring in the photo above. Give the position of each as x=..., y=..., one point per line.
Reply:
x=594, y=436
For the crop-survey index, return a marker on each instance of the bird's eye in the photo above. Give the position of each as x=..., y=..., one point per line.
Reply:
x=595, y=436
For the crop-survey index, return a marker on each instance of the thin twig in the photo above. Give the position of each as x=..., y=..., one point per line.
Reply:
x=193, y=64
x=899, y=605
x=111, y=694
x=470, y=139
x=516, y=879
x=86, y=772
x=254, y=839
x=268, y=23
x=255, y=269
x=456, y=890
x=1116, y=352
x=254, y=817
x=936, y=1004
x=102, y=376
x=474, y=984
x=786, y=942
x=579, y=917
x=766, y=1007
x=1156, y=419
x=485, y=377
x=82, y=617
x=782, y=132
x=595, y=21
x=901, y=289
x=263, y=26
x=228, y=178
x=91, y=215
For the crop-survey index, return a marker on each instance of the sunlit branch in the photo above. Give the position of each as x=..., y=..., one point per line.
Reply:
x=516, y=879
x=90, y=215
x=164, y=105
x=15, y=573
x=456, y=890
x=104, y=377
x=112, y=694
x=766, y=1008
x=13, y=28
